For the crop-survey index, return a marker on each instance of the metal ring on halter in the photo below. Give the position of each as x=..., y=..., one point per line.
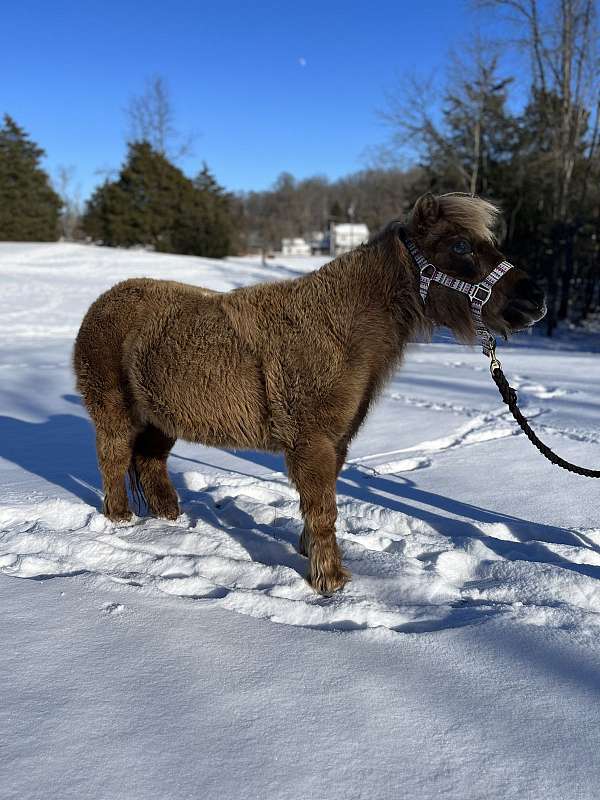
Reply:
x=479, y=287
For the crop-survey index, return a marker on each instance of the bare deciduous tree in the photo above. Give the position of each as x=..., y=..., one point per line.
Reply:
x=151, y=119
x=458, y=134
x=70, y=195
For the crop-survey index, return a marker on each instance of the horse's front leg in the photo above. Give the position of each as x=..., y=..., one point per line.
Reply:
x=341, y=450
x=312, y=468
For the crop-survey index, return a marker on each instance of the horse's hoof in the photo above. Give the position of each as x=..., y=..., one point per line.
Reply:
x=120, y=513
x=171, y=514
x=119, y=516
x=166, y=510
x=333, y=581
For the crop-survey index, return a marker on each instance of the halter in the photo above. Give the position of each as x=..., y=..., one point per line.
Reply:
x=478, y=293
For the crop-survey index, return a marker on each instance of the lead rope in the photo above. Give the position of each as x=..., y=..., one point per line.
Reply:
x=509, y=395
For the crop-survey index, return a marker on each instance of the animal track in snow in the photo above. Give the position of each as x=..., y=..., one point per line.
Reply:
x=235, y=547
x=539, y=390
x=113, y=609
x=483, y=427
x=393, y=467
x=437, y=405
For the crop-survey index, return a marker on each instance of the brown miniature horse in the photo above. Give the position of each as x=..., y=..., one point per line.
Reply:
x=291, y=367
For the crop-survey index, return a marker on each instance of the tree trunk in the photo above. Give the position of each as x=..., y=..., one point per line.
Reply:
x=567, y=278
x=552, y=290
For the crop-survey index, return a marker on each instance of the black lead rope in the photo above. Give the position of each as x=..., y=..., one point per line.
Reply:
x=509, y=396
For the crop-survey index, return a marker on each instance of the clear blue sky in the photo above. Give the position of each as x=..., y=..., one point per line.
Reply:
x=266, y=86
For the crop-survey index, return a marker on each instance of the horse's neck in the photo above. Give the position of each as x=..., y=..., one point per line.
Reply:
x=372, y=307
x=358, y=274
x=374, y=281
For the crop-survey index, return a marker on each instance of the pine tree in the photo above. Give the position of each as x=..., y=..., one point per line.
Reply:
x=29, y=207
x=217, y=232
x=336, y=212
x=154, y=204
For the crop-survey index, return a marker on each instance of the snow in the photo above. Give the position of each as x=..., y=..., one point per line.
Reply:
x=190, y=658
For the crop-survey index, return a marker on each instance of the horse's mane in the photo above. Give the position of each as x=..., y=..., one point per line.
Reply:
x=470, y=212
x=473, y=213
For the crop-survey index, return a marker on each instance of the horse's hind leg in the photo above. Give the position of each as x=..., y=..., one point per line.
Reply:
x=150, y=452
x=114, y=439
x=312, y=468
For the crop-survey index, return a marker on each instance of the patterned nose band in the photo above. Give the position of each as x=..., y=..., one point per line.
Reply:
x=478, y=293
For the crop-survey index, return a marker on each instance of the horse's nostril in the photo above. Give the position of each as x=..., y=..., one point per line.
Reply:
x=537, y=295
x=529, y=291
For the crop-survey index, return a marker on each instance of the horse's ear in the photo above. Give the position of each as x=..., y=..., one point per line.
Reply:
x=426, y=212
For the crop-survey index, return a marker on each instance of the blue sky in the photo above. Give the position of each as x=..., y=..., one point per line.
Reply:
x=266, y=87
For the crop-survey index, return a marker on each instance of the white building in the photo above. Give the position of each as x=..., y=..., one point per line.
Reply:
x=295, y=247
x=348, y=235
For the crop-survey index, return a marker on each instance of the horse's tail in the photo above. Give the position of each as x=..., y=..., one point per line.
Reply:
x=135, y=487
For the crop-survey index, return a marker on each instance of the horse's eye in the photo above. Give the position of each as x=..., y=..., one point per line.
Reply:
x=462, y=247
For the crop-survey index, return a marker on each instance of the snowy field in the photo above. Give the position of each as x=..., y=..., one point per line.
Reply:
x=190, y=659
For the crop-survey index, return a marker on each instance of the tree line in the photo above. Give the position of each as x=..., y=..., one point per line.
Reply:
x=150, y=203
x=300, y=207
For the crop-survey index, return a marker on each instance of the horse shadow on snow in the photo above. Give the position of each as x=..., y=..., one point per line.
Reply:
x=61, y=450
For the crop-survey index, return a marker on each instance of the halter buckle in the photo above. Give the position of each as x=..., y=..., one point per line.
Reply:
x=474, y=293
x=431, y=273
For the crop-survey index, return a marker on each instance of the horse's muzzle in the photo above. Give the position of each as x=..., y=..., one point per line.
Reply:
x=526, y=306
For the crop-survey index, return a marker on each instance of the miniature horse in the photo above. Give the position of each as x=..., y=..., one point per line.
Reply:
x=288, y=367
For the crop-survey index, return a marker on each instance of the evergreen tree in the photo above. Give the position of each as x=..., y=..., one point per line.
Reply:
x=336, y=212
x=29, y=207
x=154, y=204
x=218, y=229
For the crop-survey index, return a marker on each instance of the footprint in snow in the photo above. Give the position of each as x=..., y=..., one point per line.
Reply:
x=113, y=608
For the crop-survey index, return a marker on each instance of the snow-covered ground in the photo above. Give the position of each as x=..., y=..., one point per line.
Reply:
x=191, y=660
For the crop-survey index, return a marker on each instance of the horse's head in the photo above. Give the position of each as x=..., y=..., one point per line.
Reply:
x=455, y=233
